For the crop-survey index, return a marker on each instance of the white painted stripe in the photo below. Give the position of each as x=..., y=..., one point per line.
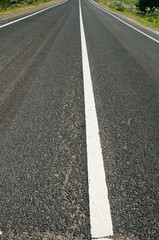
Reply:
x=100, y=217
x=20, y=19
x=105, y=238
x=154, y=39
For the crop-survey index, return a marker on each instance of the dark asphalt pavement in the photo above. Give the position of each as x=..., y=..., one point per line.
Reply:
x=44, y=185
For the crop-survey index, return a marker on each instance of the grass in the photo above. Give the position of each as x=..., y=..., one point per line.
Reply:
x=140, y=18
x=130, y=1
x=23, y=5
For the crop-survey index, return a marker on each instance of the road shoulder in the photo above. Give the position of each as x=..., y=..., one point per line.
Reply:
x=127, y=18
x=21, y=12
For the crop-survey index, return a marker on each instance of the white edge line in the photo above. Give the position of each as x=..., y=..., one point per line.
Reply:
x=100, y=217
x=30, y=15
x=124, y=22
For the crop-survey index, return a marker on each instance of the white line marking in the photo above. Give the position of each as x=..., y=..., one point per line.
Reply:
x=105, y=238
x=154, y=39
x=100, y=217
x=20, y=19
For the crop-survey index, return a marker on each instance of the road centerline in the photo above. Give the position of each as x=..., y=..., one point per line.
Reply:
x=100, y=217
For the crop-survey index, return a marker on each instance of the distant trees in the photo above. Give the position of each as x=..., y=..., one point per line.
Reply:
x=143, y=4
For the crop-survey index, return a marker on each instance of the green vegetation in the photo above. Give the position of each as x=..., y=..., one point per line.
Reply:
x=14, y=4
x=4, y=4
x=143, y=4
x=130, y=1
x=147, y=14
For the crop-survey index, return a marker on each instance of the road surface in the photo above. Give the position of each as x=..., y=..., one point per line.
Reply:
x=43, y=148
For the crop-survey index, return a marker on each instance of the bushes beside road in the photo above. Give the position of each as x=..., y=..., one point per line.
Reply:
x=10, y=4
x=141, y=10
x=143, y=4
x=4, y=4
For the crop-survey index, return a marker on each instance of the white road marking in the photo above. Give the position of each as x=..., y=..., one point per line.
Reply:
x=100, y=217
x=154, y=39
x=105, y=238
x=20, y=19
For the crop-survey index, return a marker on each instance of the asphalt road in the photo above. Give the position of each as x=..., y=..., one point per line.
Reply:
x=44, y=183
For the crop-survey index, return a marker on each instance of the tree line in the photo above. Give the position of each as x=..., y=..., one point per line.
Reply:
x=143, y=4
